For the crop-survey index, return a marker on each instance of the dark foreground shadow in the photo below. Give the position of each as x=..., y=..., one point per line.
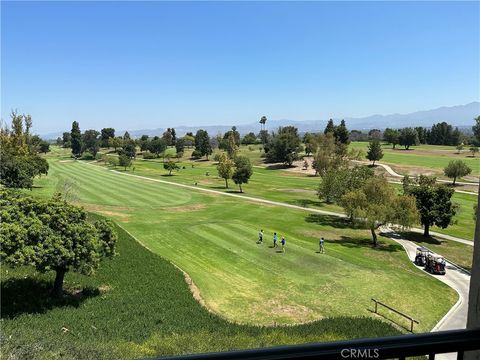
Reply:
x=32, y=296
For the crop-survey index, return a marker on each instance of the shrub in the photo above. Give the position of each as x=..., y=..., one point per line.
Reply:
x=196, y=154
x=149, y=155
x=217, y=156
x=87, y=156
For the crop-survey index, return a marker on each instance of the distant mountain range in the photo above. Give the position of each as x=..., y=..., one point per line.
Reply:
x=460, y=115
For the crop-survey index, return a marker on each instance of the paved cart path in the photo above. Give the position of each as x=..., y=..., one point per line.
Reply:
x=456, y=278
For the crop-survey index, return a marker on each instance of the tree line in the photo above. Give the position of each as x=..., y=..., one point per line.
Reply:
x=19, y=153
x=49, y=234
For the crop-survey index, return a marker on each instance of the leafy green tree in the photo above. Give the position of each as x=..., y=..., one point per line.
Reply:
x=391, y=136
x=59, y=141
x=180, y=145
x=264, y=136
x=225, y=168
x=330, y=154
x=115, y=143
x=336, y=182
x=474, y=150
x=408, y=137
x=456, y=169
x=44, y=147
x=67, y=140
x=19, y=161
x=129, y=148
x=232, y=147
x=459, y=148
x=433, y=202
x=202, y=143
x=170, y=165
x=311, y=144
x=106, y=134
x=330, y=128
x=52, y=235
x=476, y=129
x=126, y=136
x=91, y=142
x=124, y=160
x=157, y=146
x=168, y=137
x=375, y=152
x=143, y=142
x=341, y=133
x=376, y=204
x=188, y=140
x=444, y=134
x=18, y=171
x=76, y=139
x=243, y=171
x=284, y=146
x=113, y=161
x=249, y=139
x=422, y=134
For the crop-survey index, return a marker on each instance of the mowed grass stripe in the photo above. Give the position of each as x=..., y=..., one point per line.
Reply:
x=284, y=288
x=143, y=189
x=124, y=191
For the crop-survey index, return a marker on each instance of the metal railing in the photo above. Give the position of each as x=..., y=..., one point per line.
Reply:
x=394, y=347
x=412, y=320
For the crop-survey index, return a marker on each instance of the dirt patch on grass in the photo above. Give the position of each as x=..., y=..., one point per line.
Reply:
x=65, y=161
x=188, y=208
x=121, y=213
x=104, y=288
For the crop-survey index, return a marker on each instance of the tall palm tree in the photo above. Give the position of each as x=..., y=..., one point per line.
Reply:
x=263, y=120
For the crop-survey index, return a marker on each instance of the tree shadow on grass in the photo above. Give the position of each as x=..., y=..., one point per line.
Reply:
x=307, y=202
x=32, y=296
x=365, y=243
x=278, y=166
x=420, y=239
x=329, y=220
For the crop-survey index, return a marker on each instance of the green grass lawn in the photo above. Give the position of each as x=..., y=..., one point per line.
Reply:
x=289, y=187
x=213, y=239
x=137, y=305
x=432, y=157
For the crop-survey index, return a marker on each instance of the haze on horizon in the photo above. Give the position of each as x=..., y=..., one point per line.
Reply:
x=158, y=64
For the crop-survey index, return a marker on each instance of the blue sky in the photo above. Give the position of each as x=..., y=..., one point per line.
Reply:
x=157, y=64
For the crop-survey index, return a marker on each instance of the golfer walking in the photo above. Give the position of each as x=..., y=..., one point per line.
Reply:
x=322, y=245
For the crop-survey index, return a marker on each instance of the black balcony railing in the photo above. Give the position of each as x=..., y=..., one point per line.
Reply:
x=394, y=347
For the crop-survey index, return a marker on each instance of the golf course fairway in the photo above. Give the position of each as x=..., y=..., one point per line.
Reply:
x=213, y=239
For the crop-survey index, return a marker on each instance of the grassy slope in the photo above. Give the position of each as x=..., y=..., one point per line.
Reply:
x=213, y=239
x=144, y=308
x=426, y=156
